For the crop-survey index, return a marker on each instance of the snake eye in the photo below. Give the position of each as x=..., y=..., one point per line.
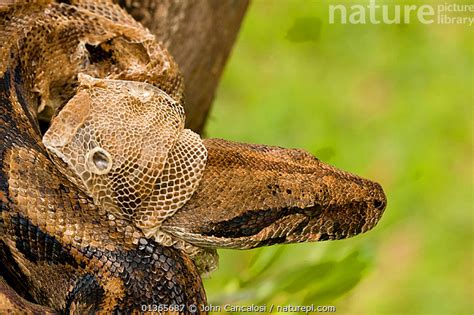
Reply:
x=99, y=161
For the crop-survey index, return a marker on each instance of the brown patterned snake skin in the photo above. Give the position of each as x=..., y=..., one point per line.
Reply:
x=127, y=207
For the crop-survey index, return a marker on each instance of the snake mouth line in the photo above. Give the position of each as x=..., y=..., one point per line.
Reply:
x=252, y=222
x=292, y=225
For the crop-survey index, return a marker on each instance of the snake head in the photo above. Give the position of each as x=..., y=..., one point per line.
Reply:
x=127, y=144
x=256, y=195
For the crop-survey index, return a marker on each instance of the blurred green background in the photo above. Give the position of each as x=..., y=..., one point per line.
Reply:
x=393, y=103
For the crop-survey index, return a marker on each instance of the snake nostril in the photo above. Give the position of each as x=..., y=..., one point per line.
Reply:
x=379, y=204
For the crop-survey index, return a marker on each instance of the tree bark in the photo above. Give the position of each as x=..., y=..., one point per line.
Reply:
x=200, y=35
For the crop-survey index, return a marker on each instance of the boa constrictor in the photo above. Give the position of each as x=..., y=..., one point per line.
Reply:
x=116, y=205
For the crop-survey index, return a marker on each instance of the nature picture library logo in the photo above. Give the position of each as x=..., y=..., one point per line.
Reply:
x=391, y=12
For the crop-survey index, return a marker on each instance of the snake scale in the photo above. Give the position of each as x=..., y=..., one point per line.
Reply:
x=107, y=202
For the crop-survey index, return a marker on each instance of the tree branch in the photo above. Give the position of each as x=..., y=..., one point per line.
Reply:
x=199, y=34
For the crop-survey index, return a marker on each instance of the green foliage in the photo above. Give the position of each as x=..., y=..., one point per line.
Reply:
x=270, y=275
x=389, y=102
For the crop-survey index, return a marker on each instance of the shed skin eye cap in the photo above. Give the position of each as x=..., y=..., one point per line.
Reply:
x=99, y=161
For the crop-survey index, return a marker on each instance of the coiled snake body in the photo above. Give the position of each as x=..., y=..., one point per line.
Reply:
x=126, y=208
